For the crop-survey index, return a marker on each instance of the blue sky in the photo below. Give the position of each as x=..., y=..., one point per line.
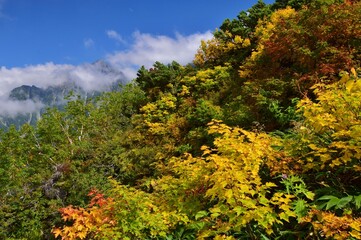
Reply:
x=50, y=42
x=78, y=31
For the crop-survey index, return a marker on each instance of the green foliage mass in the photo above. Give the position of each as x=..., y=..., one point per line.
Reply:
x=259, y=138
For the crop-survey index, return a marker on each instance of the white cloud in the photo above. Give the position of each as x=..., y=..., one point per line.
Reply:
x=148, y=49
x=116, y=36
x=89, y=43
x=42, y=75
x=12, y=108
x=88, y=76
x=145, y=50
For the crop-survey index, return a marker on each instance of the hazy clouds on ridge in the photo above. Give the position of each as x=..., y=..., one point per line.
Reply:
x=89, y=77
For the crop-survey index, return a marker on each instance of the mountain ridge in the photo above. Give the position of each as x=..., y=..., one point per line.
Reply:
x=57, y=95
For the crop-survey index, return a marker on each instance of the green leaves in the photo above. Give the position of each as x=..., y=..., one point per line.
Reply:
x=301, y=207
x=339, y=203
x=357, y=201
x=160, y=78
x=147, y=137
x=295, y=185
x=200, y=214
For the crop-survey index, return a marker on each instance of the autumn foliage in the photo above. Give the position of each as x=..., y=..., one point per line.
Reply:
x=259, y=138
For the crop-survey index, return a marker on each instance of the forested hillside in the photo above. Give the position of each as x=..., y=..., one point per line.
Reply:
x=258, y=138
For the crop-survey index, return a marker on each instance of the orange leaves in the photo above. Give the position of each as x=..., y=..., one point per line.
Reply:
x=329, y=225
x=86, y=221
x=98, y=198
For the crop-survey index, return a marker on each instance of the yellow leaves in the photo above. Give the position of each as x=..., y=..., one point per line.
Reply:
x=232, y=176
x=213, y=50
x=208, y=79
x=246, y=43
x=356, y=230
x=159, y=117
x=336, y=117
x=238, y=39
x=57, y=232
x=161, y=107
x=282, y=14
x=245, y=72
x=150, y=107
x=349, y=85
x=156, y=128
x=184, y=91
x=223, y=237
x=227, y=177
x=209, y=51
x=206, y=150
x=229, y=196
x=283, y=202
x=218, y=127
x=237, y=44
x=330, y=135
x=281, y=198
x=353, y=86
x=331, y=226
x=245, y=151
x=82, y=235
x=353, y=72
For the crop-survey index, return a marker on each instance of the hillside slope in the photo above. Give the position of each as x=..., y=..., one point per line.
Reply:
x=259, y=138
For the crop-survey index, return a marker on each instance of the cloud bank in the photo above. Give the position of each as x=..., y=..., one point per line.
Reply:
x=90, y=77
x=12, y=108
x=148, y=49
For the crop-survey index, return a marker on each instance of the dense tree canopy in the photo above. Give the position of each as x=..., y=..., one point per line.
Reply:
x=259, y=138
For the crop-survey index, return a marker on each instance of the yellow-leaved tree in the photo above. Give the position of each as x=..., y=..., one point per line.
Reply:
x=327, y=144
x=331, y=131
x=223, y=189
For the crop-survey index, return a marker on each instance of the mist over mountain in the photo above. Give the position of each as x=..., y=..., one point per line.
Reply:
x=24, y=100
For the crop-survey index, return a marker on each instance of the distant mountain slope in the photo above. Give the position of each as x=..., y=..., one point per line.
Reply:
x=40, y=98
x=27, y=92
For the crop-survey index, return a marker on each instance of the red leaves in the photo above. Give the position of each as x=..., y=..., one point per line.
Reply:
x=98, y=198
x=316, y=43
